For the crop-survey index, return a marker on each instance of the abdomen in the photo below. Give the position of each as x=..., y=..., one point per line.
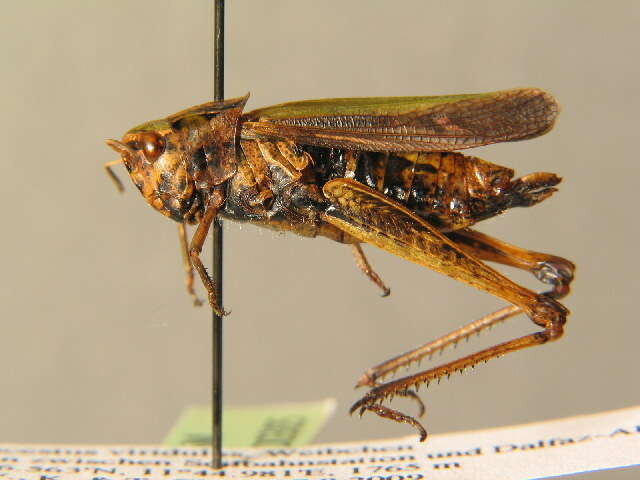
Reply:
x=448, y=189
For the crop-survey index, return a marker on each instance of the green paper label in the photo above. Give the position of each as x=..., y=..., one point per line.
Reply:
x=291, y=425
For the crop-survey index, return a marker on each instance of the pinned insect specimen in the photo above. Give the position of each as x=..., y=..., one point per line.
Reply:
x=382, y=171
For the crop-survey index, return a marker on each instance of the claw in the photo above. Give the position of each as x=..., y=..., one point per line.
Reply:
x=397, y=416
x=414, y=396
x=363, y=402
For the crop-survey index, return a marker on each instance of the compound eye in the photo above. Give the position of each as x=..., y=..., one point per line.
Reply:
x=152, y=145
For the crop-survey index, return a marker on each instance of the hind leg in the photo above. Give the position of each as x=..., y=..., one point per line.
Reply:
x=549, y=269
x=371, y=217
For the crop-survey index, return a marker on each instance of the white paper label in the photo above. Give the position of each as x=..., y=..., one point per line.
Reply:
x=571, y=445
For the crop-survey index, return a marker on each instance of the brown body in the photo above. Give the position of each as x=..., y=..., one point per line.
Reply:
x=382, y=171
x=449, y=190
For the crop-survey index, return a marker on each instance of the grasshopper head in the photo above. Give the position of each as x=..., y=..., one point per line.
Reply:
x=158, y=167
x=176, y=162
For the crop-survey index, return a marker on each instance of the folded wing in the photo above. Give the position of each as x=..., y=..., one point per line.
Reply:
x=408, y=124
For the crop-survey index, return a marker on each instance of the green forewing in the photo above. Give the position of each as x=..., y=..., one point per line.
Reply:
x=440, y=123
x=378, y=106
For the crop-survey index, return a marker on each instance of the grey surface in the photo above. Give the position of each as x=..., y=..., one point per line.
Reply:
x=99, y=341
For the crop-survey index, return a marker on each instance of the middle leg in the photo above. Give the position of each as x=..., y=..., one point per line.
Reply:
x=365, y=267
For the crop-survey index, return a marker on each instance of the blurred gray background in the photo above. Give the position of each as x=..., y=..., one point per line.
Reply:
x=99, y=341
